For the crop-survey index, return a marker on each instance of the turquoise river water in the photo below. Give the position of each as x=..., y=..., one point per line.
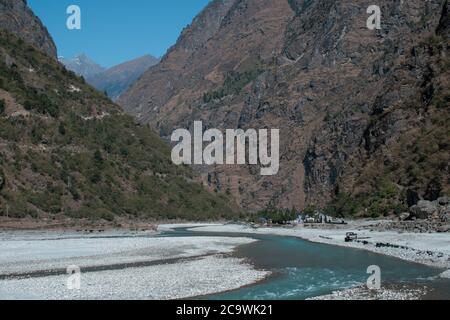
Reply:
x=302, y=269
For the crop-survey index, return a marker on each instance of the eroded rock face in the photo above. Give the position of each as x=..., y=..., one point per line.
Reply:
x=229, y=35
x=354, y=106
x=16, y=17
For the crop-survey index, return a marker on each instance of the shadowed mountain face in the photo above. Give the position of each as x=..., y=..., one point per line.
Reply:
x=364, y=114
x=114, y=81
x=17, y=18
x=67, y=150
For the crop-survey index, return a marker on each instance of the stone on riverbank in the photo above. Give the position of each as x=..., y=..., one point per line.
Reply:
x=424, y=209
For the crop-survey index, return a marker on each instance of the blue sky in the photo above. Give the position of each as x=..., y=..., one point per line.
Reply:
x=114, y=31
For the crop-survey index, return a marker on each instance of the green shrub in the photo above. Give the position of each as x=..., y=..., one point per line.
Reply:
x=42, y=104
x=46, y=201
x=278, y=216
x=343, y=205
x=233, y=84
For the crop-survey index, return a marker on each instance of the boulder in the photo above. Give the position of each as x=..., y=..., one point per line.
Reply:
x=443, y=201
x=445, y=217
x=404, y=216
x=424, y=209
x=443, y=229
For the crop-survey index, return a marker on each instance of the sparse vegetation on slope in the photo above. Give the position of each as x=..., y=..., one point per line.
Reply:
x=66, y=150
x=415, y=161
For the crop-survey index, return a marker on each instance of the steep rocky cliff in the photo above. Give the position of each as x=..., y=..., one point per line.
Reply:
x=16, y=17
x=385, y=133
x=228, y=36
x=364, y=114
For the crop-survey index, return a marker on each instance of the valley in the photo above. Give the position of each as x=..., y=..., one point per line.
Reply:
x=279, y=150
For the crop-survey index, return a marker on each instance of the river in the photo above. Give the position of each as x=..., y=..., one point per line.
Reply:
x=302, y=269
x=181, y=263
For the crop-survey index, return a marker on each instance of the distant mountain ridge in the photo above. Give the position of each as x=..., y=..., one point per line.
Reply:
x=115, y=80
x=82, y=65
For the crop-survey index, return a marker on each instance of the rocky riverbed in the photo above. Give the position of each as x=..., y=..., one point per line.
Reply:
x=120, y=265
x=387, y=292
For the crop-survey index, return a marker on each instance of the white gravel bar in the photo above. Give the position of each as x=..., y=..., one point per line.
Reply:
x=185, y=279
x=31, y=255
x=32, y=266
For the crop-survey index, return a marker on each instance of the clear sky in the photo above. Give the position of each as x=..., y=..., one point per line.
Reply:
x=115, y=31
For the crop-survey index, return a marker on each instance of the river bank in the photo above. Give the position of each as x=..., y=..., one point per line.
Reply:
x=62, y=223
x=431, y=249
x=387, y=292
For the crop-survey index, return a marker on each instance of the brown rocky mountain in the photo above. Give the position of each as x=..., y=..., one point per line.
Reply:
x=364, y=114
x=16, y=17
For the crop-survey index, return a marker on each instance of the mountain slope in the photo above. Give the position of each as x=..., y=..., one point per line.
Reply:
x=226, y=44
x=67, y=150
x=363, y=114
x=114, y=81
x=16, y=17
x=225, y=36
